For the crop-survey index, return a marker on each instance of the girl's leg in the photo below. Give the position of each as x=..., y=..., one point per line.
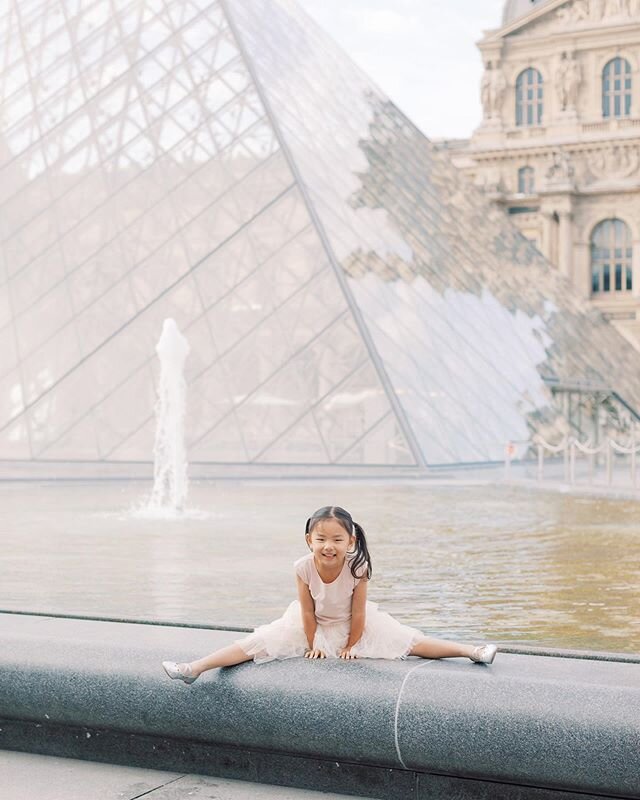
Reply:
x=441, y=648
x=225, y=657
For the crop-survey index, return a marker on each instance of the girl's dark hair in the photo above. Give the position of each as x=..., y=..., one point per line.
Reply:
x=352, y=528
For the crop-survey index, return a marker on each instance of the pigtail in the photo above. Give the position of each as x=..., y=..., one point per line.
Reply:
x=361, y=556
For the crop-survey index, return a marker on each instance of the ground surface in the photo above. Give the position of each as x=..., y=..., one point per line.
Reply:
x=33, y=777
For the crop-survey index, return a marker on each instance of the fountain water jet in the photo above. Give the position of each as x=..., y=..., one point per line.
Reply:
x=170, y=484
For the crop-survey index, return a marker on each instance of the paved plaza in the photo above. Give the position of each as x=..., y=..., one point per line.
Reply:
x=32, y=777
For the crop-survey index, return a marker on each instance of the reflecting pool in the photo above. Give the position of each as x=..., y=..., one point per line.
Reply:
x=465, y=561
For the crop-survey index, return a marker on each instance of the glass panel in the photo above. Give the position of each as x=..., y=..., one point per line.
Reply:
x=120, y=356
x=223, y=444
x=351, y=410
x=138, y=446
x=59, y=409
x=44, y=319
x=33, y=281
x=46, y=366
x=12, y=401
x=122, y=412
x=77, y=443
x=8, y=351
x=383, y=444
x=6, y=313
x=14, y=441
x=209, y=401
x=301, y=444
x=105, y=317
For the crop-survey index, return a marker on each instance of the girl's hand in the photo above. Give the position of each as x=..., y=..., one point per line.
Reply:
x=314, y=654
x=346, y=653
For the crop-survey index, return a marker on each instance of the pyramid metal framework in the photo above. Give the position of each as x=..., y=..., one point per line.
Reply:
x=348, y=298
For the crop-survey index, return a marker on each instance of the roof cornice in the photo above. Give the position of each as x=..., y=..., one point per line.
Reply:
x=536, y=13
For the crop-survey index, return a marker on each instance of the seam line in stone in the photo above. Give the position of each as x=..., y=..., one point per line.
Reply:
x=395, y=719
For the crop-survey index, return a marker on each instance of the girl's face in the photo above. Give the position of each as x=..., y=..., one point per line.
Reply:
x=329, y=542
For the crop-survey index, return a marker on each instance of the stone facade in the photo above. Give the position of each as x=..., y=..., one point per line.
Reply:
x=559, y=144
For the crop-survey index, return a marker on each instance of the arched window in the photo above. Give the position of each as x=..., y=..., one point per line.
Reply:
x=611, y=250
x=616, y=88
x=529, y=97
x=526, y=180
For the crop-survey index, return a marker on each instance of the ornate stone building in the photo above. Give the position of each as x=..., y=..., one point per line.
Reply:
x=559, y=144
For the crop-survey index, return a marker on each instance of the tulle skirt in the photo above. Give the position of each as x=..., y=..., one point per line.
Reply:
x=383, y=637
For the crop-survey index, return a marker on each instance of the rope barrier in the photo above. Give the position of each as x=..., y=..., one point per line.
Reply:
x=569, y=446
x=584, y=448
x=550, y=447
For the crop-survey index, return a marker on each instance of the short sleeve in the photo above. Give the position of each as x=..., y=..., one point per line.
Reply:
x=301, y=567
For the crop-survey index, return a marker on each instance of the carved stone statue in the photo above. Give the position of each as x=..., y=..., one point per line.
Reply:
x=580, y=10
x=561, y=169
x=492, y=91
x=594, y=10
x=615, y=162
x=490, y=182
x=485, y=90
x=568, y=79
x=498, y=89
x=614, y=8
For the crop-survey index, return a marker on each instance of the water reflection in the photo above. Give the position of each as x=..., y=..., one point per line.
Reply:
x=468, y=562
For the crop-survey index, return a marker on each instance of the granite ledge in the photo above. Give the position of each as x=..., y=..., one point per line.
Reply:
x=547, y=725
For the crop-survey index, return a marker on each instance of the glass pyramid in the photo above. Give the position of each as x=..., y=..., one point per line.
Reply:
x=348, y=298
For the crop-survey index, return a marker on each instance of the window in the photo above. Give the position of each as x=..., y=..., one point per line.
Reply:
x=524, y=209
x=526, y=180
x=529, y=97
x=611, y=257
x=616, y=88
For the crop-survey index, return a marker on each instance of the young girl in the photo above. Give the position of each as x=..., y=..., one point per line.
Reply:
x=332, y=617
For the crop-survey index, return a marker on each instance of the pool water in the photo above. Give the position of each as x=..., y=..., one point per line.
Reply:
x=462, y=561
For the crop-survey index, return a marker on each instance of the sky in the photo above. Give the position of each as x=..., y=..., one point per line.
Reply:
x=421, y=53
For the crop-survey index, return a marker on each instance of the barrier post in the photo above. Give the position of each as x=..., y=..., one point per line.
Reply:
x=609, y=464
x=509, y=450
x=566, y=460
x=572, y=463
x=540, y=462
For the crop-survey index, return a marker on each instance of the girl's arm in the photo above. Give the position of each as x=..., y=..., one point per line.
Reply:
x=308, y=609
x=358, y=612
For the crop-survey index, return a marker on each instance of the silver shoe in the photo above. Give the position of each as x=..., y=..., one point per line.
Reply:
x=484, y=653
x=179, y=672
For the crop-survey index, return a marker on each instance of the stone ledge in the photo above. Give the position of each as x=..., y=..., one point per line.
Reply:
x=527, y=727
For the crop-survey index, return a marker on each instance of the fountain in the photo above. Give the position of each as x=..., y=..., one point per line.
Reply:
x=170, y=484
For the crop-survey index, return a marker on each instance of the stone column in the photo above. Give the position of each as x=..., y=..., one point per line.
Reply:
x=546, y=244
x=582, y=269
x=635, y=267
x=565, y=244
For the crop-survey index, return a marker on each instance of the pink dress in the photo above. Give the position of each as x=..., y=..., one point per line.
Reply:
x=383, y=636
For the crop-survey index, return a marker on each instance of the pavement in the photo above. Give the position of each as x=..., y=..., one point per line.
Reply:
x=26, y=776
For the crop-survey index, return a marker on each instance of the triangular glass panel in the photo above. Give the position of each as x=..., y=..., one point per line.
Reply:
x=79, y=443
x=301, y=444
